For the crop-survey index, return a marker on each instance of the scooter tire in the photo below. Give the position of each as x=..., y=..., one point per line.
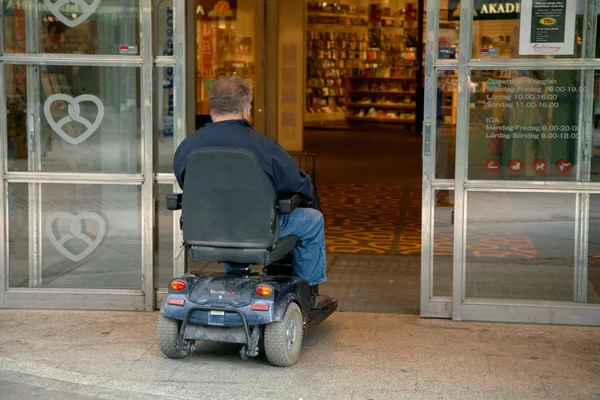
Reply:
x=168, y=335
x=283, y=339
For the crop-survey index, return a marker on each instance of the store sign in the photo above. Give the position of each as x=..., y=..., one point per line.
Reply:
x=547, y=27
x=72, y=12
x=74, y=115
x=488, y=52
x=525, y=125
x=483, y=10
x=77, y=232
x=447, y=53
x=126, y=49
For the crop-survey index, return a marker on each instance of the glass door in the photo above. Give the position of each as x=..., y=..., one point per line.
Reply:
x=526, y=180
x=78, y=174
x=439, y=152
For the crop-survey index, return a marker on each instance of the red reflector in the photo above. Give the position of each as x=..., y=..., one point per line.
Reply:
x=260, y=307
x=176, y=302
x=264, y=290
x=178, y=285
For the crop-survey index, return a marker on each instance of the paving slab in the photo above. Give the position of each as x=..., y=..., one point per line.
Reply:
x=114, y=355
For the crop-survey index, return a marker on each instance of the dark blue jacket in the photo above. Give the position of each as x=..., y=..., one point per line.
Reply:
x=275, y=161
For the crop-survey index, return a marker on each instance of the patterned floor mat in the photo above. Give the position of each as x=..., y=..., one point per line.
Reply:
x=361, y=218
x=386, y=220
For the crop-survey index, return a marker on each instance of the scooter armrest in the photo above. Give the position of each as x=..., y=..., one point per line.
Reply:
x=288, y=202
x=174, y=201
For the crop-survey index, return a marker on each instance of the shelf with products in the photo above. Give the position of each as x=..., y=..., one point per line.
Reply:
x=386, y=94
x=336, y=14
x=350, y=50
x=385, y=104
x=330, y=53
x=382, y=119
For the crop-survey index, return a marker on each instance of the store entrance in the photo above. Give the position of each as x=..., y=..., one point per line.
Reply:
x=363, y=104
x=371, y=198
x=350, y=93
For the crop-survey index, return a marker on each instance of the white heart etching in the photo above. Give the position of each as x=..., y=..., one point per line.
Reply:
x=75, y=232
x=74, y=115
x=87, y=9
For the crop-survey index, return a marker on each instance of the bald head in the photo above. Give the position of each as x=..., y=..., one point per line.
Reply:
x=229, y=98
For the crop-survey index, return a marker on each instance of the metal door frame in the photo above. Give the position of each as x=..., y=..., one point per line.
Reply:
x=459, y=307
x=110, y=299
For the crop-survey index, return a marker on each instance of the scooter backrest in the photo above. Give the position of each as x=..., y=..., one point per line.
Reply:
x=228, y=200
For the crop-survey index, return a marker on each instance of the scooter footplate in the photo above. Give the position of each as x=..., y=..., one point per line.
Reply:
x=316, y=316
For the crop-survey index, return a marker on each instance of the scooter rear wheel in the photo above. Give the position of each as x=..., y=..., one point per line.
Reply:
x=168, y=335
x=283, y=339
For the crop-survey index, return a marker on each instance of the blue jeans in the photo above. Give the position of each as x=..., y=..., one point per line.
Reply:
x=309, y=254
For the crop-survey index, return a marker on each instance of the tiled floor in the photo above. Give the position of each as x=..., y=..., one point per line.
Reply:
x=387, y=284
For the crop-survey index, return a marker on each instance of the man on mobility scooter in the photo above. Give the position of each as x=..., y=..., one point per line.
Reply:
x=244, y=203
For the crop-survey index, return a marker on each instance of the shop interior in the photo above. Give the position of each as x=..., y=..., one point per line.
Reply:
x=363, y=66
x=362, y=106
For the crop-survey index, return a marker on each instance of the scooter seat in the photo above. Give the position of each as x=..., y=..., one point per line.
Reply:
x=257, y=256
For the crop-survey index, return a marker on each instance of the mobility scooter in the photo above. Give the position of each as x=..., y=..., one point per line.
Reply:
x=230, y=214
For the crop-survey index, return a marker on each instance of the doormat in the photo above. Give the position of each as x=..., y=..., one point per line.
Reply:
x=386, y=220
x=362, y=218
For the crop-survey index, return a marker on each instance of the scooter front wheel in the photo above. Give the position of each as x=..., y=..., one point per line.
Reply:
x=283, y=339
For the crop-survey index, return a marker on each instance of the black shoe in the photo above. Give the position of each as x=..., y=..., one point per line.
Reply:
x=319, y=301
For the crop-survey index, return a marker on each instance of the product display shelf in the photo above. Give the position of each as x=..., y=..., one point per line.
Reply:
x=385, y=99
x=383, y=120
x=354, y=75
x=331, y=50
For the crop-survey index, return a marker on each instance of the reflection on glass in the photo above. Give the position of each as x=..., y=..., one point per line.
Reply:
x=108, y=27
x=524, y=125
x=163, y=230
x=225, y=46
x=90, y=236
x=18, y=234
x=164, y=24
x=90, y=119
x=520, y=246
x=443, y=243
x=497, y=30
x=165, y=112
x=449, y=30
x=16, y=104
x=14, y=26
x=445, y=145
x=89, y=27
x=593, y=285
x=595, y=168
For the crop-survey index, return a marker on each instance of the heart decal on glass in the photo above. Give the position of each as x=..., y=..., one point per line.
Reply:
x=74, y=115
x=86, y=8
x=76, y=231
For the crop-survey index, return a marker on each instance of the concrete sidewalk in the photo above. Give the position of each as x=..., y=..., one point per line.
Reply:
x=114, y=355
